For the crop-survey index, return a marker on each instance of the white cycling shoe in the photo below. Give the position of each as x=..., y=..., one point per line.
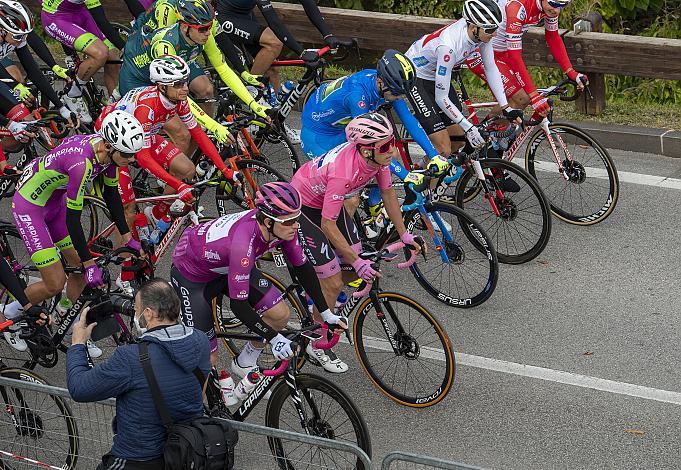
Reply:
x=12, y=338
x=326, y=359
x=124, y=286
x=77, y=105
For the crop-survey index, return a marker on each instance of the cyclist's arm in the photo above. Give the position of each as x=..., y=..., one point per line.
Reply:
x=230, y=78
x=202, y=140
x=443, y=80
x=79, y=175
x=278, y=27
x=201, y=117
x=97, y=12
x=315, y=16
x=145, y=161
x=12, y=283
x=414, y=128
x=493, y=75
x=392, y=206
x=112, y=198
x=307, y=276
x=514, y=44
x=33, y=72
x=38, y=45
x=557, y=46
x=135, y=7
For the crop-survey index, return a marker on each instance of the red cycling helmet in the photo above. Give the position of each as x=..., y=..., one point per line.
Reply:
x=277, y=199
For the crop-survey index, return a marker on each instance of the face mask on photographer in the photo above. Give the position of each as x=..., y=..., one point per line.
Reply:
x=141, y=323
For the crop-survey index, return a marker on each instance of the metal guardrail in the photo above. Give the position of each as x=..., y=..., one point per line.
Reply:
x=47, y=426
x=407, y=461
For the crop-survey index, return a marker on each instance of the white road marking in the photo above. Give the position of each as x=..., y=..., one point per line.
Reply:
x=542, y=373
x=624, y=176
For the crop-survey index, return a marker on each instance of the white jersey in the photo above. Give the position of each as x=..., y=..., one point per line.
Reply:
x=424, y=52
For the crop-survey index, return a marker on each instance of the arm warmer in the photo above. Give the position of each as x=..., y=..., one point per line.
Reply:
x=244, y=312
x=33, y=72
x=105, y=26
x=12, y=282
x=135, y=7
x=208, y=148
x=113, y=202
x=40, y=48
x=414, y=128
x=307, y=277
x=77, y=235
x=443, y=79
x=557, y=48
x=144, y=160
x=312, y=12
x=278, y=27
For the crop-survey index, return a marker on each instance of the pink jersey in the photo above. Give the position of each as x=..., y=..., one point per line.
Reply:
x=326, y=181
x=229, y=246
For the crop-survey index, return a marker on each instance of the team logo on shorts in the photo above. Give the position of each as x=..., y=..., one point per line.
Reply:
x=244, y=262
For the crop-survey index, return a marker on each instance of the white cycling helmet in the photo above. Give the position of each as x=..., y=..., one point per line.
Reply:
x=15, y=18
x=168, y=69
x=485, y=14
x=123, y=131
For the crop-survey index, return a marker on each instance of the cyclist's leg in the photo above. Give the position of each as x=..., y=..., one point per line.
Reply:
x=30, y=221
x=513, y=86
x=201, y=87
x=269, y=49
x=426, y=111
x=179, y=133
x=196, y=305
x=127, y=194
x=111, y=71
x=12, y=69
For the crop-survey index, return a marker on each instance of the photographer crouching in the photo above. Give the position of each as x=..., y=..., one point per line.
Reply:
x=175, y=351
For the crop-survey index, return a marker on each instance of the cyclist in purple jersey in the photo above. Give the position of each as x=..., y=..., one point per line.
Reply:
x=218, y=257
x=48, y=202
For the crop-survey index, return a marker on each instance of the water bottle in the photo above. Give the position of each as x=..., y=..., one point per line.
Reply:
x=227, y=389
x=340, y=302
x=162, y=227
x=247, y=384
x=142, y=226
x=286, y=88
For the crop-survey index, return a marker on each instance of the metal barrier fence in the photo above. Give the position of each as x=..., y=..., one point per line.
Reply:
x=407, y=461
x=44, y=428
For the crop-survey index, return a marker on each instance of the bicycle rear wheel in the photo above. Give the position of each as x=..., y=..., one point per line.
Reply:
x=329, y=413
x=278, y=152
x=469, y=276
x=404, y=350
x=590, y=193
x=522, y=229
x=37, y=425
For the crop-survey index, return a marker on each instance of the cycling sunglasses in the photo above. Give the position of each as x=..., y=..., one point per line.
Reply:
x=385, y=147
x=178, y=84
x=201, y=28
x=557, y=4
x=491, y=30
x=289, y=221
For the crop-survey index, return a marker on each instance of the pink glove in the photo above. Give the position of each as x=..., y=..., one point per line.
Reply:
x=364, y=270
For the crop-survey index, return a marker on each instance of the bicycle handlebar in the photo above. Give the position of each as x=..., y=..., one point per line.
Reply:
x=385, y=255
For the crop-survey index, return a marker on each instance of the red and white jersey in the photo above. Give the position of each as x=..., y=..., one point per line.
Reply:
x=518, y=16
x=152, y=110
x=454, y=39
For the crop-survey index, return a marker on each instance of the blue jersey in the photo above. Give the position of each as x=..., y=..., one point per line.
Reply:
x=336, y=103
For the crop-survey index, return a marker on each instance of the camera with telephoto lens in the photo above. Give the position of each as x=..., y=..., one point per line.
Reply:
x=123, y=305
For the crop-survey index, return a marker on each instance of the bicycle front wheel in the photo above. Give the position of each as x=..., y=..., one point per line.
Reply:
x=328, y=412
x=464, y=271
x=521, y=226
x=38, y=425
x=255, y=174
x=404, y=350
x=589, y=192
x=278, y=152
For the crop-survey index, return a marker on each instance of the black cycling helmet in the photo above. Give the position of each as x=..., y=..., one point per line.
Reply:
x=396, y=71
x=196, y=12
x=485, y=14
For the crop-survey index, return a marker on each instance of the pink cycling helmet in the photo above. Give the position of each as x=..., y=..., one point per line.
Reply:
x=369, y=129
x=277, y=199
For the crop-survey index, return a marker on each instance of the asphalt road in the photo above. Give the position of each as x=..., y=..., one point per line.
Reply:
x=598, y=303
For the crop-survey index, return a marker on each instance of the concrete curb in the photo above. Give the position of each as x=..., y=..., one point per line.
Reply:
x=665, y=142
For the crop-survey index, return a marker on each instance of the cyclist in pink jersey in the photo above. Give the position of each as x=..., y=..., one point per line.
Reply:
x=326, y=181
x=219, y=257
x=48, y=202
x=518, y=16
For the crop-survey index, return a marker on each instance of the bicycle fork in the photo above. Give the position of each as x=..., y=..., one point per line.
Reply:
x=482, y=177
x=443, y=230
x=554, y=148
x=380, y=314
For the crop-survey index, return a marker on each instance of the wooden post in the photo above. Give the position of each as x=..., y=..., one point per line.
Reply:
x=594, y=104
